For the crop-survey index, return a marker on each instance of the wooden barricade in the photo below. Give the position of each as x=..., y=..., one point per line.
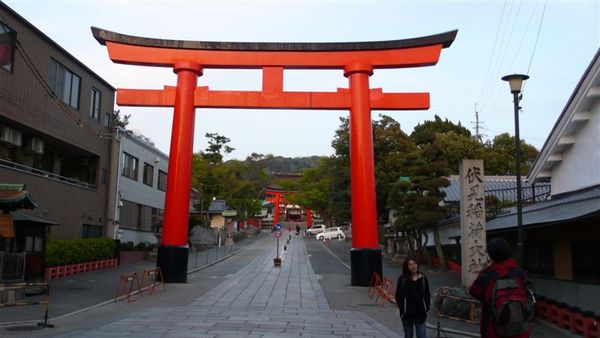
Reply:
x=152, y=279
x=389, y=290
x=382, y=290
x=128, y=282
x=374, y=286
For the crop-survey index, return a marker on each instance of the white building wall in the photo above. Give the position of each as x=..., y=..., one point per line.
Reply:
x=580, y=167
x=135, y=190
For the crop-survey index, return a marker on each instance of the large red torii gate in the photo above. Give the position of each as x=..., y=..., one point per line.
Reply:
x=356, y=59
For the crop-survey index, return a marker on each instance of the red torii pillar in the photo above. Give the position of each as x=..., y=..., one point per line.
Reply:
x=276, y=200
x=357, y=59
x=308, y=218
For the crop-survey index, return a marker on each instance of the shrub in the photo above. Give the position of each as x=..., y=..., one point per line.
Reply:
x=78, y=251
x=238, y=236
x=127, y=246
x=141, y=246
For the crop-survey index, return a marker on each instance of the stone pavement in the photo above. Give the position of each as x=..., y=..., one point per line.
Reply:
x=245, y=296
x=259, y=300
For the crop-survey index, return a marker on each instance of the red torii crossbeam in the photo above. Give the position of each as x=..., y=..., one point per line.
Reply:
x=357, y=60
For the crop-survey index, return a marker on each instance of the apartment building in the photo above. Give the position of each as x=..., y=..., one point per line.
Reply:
x=55, y=134
x=141, y=186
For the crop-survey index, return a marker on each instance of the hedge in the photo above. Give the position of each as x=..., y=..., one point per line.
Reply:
x=79, y=250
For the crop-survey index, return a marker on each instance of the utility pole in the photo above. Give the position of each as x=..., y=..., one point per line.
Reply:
x=477, y=124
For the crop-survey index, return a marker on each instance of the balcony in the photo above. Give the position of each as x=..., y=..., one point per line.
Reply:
x=46, y=174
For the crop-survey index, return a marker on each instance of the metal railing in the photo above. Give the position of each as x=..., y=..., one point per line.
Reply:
x=45, y=174
x=12, y=267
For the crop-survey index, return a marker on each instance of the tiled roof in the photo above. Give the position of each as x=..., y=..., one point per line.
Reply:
x=217, y=206
x=572, y=206
x=503, y=187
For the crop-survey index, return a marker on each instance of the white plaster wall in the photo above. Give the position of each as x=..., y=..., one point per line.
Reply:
x=446, y=231
x=580, y=167
x=135, y=190
x=138, y=236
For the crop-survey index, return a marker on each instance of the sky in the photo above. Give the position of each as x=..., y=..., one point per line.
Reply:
x=551, y=41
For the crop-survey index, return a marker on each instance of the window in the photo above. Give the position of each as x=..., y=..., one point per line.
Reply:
x=33, y=244
x=129, y=216
x=91, y=231
x=64, y=84
x=539, y=257
x=148, y=174
x=107, y=120
x=95, y=98
x=7, y=47
x=162, y=180
x=130, y=166
x=586, y=259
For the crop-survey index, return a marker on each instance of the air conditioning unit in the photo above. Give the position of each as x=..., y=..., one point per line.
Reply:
x=35, y=145
x=10, y=135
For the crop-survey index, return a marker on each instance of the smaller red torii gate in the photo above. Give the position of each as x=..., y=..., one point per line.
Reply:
x=188, y=59
x=277, y=197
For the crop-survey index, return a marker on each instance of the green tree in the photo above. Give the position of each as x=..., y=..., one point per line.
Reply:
x=417, y=202
x=390, y=146
x=438, y=126
x=502, y=159
x=457, y=147
x=217, y=144
x=314, y=189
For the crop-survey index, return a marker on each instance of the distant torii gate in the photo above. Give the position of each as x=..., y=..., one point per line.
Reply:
x=356, y=59
x=277, y=197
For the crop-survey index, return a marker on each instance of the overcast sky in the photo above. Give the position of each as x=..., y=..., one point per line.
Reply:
x=495, y=38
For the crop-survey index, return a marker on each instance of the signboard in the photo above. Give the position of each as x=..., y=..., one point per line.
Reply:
x=277, y=233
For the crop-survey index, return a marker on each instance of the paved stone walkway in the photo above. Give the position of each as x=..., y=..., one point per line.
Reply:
x=258, y=301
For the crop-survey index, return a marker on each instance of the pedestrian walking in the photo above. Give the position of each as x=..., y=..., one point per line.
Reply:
x=500, y=287
x=413, y=298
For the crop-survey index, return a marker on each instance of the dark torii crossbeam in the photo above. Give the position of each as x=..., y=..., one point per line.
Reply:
x=356, y=59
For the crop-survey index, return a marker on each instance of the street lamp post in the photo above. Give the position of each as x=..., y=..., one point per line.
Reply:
x=516, y=82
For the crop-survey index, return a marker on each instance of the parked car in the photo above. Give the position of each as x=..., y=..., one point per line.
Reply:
x=316, y=229
x=331, y=233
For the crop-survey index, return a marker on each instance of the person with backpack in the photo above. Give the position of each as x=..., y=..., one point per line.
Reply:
x=505, y=306
x=413, y=298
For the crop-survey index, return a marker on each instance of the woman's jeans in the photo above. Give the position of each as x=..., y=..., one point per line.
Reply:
x=408, y=324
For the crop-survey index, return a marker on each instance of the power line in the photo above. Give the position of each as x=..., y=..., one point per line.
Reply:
x=535, y=44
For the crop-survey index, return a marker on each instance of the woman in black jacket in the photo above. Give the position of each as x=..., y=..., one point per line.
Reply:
x=413, y=298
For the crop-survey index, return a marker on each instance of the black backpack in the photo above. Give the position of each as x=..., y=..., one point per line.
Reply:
x=511, y=307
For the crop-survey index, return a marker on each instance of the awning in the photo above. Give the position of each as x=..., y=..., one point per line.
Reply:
x=229, y=213
x=554, y=213
x=21, y=216
x=14, y=196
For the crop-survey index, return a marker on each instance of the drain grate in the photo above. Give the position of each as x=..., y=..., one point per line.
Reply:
x=24, y=328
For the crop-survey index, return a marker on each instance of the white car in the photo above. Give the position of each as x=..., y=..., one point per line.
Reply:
x=316, y=229
x=331, y=233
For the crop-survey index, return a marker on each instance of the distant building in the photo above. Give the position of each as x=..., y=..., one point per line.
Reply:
x=141, y=185
x=55, y=135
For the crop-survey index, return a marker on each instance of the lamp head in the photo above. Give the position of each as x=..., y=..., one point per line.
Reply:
x=515, y=81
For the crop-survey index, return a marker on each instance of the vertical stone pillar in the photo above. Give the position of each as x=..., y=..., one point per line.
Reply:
x=173, y=251
x=365, y=256
x=472, y=220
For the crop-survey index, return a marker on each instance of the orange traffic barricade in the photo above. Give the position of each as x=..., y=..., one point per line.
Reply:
x=129, y=282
